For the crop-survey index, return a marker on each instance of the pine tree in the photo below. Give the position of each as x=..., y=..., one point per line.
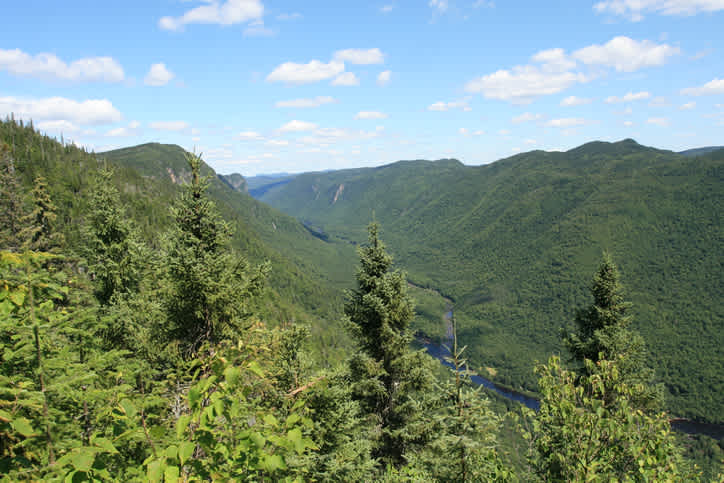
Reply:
x=11, y=205
x=386, y=373
x=39, y=233
x=207, y=286
x=603, y=333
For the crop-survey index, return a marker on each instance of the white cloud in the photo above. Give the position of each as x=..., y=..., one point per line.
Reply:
x=277, y=142
x=258, y=29
x=715, y=86
x=504, y=132
x=158, y=75
x=370, y=115
x=384, y=78
x=126, y=131
x=479, y=132
x=628, y=123
x=658, y=121
x=89, y=69
x=522, y=84
x=386, y=8
x=170, y=125
x=526, y=117
x=463, y=131
x=554, y=60
x=250, y=136
x=530, y=142
x=297, y=126
x=438, y=5
x=634, y=9
x=566, y=122
x=92, y=111
x=446, y=106
x=314, y=71
x=629, y=97
x=58, y=126
x=346, y=79
x=360, y=56
x=229, y=12
x=688, y=106
x=575, y=101
x=625, y=54
x=305, y=103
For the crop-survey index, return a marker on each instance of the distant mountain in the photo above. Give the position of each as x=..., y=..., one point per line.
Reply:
x=307, y=274
x=515, y=243
x=259, y=185
x=235, y=181
x=700, y=151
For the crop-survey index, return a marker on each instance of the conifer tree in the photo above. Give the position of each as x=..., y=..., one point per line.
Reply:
x=386, y=374
x=603, y=333
x=39, y=225
x=208, y=286
x=10, y=200
x=114, y=250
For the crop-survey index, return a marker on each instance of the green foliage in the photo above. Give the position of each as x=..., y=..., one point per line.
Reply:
x=602, y=333
x=11, y=204
x=208, y=286
x=583, y=433
x=39, y=232
x=510, y=241
x=386, y=374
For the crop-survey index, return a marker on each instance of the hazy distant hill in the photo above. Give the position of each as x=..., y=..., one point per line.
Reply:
x=235, y=180
x=258, y=186
x=700, y=151
x=515, y=244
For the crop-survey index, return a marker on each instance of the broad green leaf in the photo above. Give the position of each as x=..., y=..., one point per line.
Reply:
x=171, y=474
x=83, y=459
x=185, y=450
x=273, y=463
x=128, y=408
x=22, y=426
x=254, y=367
x=105, y=444
x=182, y=424
x=271, y=420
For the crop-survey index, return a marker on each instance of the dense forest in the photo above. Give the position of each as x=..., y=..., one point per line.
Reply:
x=510, y=242
x=158, y=324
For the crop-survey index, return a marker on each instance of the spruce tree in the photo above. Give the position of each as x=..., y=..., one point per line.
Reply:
x=10, y=200
x=387, y=375
x=39, y=233
x=603, y=333
x=207, y=286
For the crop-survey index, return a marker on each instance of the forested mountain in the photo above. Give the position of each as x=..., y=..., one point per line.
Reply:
x=155, y=326
x=510, y=242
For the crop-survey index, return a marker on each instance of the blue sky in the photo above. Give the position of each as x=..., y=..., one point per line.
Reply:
x=262, y=86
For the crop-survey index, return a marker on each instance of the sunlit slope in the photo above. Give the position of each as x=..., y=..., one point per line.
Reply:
x=515, y=243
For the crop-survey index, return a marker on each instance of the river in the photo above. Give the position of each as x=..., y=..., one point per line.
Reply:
x=439, y=352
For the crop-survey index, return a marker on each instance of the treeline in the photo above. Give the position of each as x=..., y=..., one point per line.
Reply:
x=129, y=361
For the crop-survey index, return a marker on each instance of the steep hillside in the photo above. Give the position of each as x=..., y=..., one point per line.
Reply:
x=307, y=274
x=236, y=181
x=514, y=244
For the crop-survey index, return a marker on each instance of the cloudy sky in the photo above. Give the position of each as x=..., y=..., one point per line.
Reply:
x=263, y=86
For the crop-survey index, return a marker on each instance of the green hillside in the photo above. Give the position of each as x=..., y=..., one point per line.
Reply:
x=306, y=276
x=513, y=244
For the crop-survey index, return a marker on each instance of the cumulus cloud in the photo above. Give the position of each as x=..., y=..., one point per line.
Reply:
x=715, y=86
x=229, y=12
x=523, y=83
x=250, y=136
x=176, y=126
x=346, y=79
x=446, y=106
x=314, y=71
x=688, y=106
x=439, y=5
x=45, y=65
x=566, y=122
x=360, y=56
x=370, y=115
x=575, y=101
x=658, y=121
x=629, y=97
x=384, y=78
x=386, y=8
x=635, y=9
x=554, y=60
x=526, y=117
x=125, y=131
x=306, y=103
x=158, y=75
x=62, y=126
x=298, y=126
x=625, y=54
x=92, y=111
x=277, y=142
